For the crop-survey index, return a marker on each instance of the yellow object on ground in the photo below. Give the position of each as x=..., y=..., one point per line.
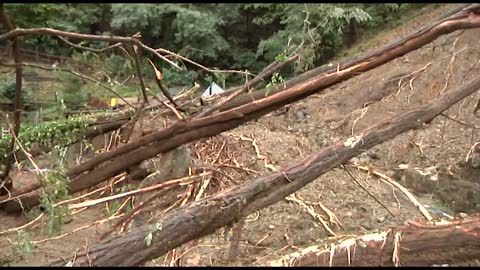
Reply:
x=113, y=102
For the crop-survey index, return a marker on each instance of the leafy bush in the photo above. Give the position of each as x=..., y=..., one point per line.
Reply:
x=7, y=90
x=174, y=77
x=119, y=65
x=56, y=189
x=22, y=246
x=241, y=36
x=71, y=91
x=385, y=13
x=60, y=132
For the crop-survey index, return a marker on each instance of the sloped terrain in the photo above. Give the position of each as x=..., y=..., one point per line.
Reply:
x=284, y=136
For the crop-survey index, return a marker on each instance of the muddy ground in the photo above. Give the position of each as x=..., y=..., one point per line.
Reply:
x=322, y=119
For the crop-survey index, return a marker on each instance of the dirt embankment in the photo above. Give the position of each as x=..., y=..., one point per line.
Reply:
x=448, y=183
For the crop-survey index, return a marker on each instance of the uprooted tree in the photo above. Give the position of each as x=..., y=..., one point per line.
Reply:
x=109, y=164
x=207, y=215
x=211, y=213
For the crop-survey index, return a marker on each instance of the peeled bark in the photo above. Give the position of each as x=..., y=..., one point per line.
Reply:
x=183, y=132
x=324, y=69
x=109, y=164
x=420, y=245
x=205, y=216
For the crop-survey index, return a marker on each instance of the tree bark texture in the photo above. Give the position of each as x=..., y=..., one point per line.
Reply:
x=5, y=184
x=114, y=162
x=109, y=164
x=205, y=216
x=420, y=245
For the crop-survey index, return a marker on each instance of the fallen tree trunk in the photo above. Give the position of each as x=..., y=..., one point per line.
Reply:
x=183, y=132
x=328, y=68
x=420, y=245
x=39, y=149
x=90, y=132
x=109, y=164
x=263, y=75
x=205, y=216
x=233, y=94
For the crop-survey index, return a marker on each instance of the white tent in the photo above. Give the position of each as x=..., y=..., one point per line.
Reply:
x=213, y=89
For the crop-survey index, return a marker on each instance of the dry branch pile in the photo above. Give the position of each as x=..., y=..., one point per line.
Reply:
x=211, y=191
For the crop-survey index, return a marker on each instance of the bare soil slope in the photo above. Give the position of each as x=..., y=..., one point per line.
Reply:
x=320, y=120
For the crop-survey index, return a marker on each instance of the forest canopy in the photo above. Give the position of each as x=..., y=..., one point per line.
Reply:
x=233, y=36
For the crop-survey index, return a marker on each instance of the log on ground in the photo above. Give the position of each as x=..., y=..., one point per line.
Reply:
x=205, y=216
x=111, y=163
x=419, y=245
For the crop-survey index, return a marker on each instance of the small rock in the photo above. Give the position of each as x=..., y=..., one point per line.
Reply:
x=271, y=227
x=373, y=155
x=381, y=219
x=193, y=261
x=301, y=115
x=463, y=215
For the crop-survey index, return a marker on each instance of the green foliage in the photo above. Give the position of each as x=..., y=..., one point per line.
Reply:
x=56, y=189
x=197, y=33
x=274, y=80
x=22, y=246
x=126, y=90
x=270, y=13
x=56, y=185
x=147, y=18
x=148, y=239
x=80, y=17
x=174, y=77
x=115, y=204
x=38, y=15
x=228, y=36
x=7, y=90
x=243, y=58
x=119, y=65
x=323, y=37
x=281, y=57
x=385, y=13
x=71, y=91
x=221, y=77
x=59, y=133
x=68, y=17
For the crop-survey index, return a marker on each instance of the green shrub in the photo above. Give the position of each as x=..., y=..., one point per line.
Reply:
x=71, y=91
x=7, y=90
x=173, y=77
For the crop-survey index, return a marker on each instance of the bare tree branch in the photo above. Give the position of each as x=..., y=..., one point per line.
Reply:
x=49, y=31
x=199, y=65
x=205, y=216
x=79, y=47
x=253, y=110
x=135, y=54
x=71, y=72
x=158, y=79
